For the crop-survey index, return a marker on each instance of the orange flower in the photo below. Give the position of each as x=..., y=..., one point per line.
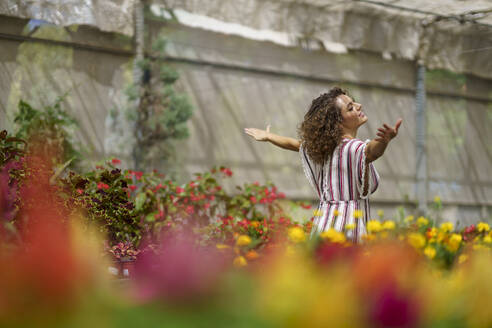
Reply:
x=251, y=255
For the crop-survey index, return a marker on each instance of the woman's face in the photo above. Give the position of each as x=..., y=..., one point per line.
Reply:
x=352, y=114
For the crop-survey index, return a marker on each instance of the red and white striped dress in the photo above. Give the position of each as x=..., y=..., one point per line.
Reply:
x=339, y=186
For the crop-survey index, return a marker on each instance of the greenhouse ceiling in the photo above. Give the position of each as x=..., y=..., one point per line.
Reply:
x=446, y=34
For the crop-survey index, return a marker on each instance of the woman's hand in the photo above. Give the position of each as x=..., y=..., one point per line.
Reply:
x=386, y=133
x=259, y=135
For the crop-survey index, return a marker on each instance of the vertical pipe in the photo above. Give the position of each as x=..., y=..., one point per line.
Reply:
x=137, y=78
x=421, y=156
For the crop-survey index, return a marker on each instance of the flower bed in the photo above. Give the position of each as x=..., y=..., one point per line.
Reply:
x=202, y=257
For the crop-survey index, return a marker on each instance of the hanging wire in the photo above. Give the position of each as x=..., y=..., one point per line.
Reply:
x=459, y=17
x=476, y=50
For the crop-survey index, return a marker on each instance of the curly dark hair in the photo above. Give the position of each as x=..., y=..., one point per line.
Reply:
x=320, y=132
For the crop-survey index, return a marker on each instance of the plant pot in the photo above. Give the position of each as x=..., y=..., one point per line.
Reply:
x=127, y=268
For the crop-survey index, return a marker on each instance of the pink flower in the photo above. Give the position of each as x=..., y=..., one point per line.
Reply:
x=207, y=205
x=190, y=210
x=180, y=271
x=102, y=185
x=138, y=174
x=115, y=161
x=80, y=191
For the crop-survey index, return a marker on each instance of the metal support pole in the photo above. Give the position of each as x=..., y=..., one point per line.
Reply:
x=421, y=155
x=137, y=77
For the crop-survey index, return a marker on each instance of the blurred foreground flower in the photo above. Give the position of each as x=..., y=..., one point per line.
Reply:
x=179, y=271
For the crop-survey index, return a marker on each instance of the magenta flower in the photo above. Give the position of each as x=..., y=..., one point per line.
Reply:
x=393, y=309
x=178, y=271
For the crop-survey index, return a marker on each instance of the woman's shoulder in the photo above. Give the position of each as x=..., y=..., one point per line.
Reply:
x=352, y=142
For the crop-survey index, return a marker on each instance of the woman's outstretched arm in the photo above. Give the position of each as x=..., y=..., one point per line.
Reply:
x=377, y=146
x=280, y=141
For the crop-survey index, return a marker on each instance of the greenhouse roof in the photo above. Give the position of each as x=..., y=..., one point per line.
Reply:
x=446, y=34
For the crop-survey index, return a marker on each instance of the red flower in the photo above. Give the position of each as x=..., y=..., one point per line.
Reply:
x=80, y=191
x=211, y=197
x=102, y=185
x=226, y=171
x=115, y=161
x=138, y=174
x=190, y=209
x=207, y=205
x=132, y=187
x=252, y=199
x=306, y=206
x=159, y=186
x=179, y=190
x=281, y=195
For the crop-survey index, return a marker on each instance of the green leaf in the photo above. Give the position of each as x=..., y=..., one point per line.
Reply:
x=150, y=218
x=140, y=201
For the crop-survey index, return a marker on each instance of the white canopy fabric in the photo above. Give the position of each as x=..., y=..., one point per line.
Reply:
x=107, y=15
x=444, y=34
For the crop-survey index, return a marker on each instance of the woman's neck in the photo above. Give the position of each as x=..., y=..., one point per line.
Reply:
x=349, y=134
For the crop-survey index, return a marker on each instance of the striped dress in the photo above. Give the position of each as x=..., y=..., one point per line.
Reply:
x=339, y=186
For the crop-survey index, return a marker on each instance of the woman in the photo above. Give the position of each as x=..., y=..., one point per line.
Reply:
x=338, y=166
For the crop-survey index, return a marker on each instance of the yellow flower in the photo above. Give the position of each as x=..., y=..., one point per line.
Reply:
x=487, y=239
x=408, y=219
x=350, y=226
x=255, y=224
x=222, y=246
x=430, y=252
x=482, y=226
x=446, y=227
x=336, y=213
x=454, y=242
x=462, y=258
x=416, y=240
x=317, y=213
x=243, y=240
x=240, y=261
x=389, y=225
x=374, y=226
x=333, y=236
x=368, y=237
x=380, y=214
x=297, y=235
x=357, y=214
x=437, y=199
x=441, y=236
x=421, y=221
